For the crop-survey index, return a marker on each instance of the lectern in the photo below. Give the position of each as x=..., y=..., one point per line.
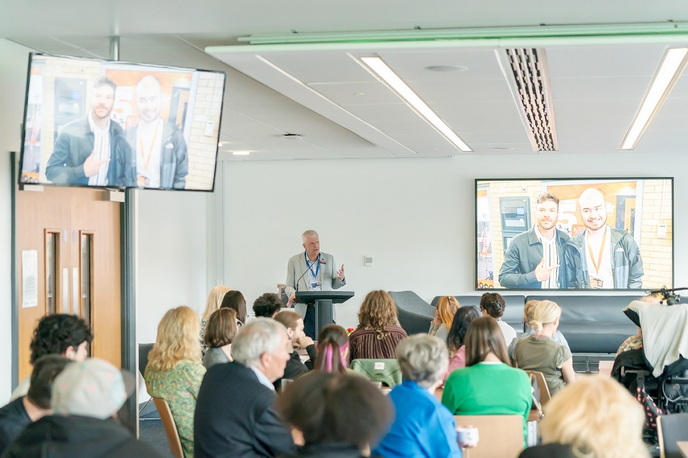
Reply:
x=324, y=304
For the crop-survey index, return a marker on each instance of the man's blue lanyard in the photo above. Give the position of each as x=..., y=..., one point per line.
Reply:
x=310, y=265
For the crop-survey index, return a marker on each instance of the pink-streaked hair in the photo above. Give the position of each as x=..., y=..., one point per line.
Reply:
x=333, y=342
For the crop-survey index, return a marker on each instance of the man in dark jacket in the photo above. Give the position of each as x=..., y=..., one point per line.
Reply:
x=86, y=397
x=235, y=414
x=602, y=257
x=535, y=258
x=93, y=151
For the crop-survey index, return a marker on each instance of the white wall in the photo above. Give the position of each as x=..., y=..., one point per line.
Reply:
x=171, y=256
x=414, y=216
x=13, y=65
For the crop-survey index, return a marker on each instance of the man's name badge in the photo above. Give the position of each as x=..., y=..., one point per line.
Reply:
x=596, y=282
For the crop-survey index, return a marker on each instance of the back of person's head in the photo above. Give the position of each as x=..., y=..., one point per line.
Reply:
x=378, y=311
x=598, y=417
x=493, y=304
x=92, y=388
x=423, y=359
x=258, y=336
x=335, y=408
x=267, y=305
x=214, y=300
x=55, y=334
x=235, y=300
x=45, y=369
x=484, y=336
x=457, y=332
x=447, y=307
x=289, y=319
x=529, y=309
x=544, y=313
x=177, y=339
x=221, y=328
x=333, y=342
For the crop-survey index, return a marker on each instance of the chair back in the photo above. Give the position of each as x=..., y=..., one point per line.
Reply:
x=173, y=440
x=542, y=386
x=386, y=371
x=499, y=436
x=670, y=430
x=144, y=349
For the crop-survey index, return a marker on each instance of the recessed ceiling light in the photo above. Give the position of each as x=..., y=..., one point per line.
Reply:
x=447, y=68
x=219, y=144
x=359, y=94
x=241, y=153
x=502, y=148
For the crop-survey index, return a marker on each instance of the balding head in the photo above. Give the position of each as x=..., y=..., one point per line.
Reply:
x=148, y=98
x=593, y=209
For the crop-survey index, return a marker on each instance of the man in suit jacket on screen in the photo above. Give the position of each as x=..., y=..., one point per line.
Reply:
x=314, y=271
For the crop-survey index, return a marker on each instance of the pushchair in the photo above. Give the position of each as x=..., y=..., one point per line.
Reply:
x=657, y=373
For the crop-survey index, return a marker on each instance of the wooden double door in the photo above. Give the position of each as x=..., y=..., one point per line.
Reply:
x=68, y=261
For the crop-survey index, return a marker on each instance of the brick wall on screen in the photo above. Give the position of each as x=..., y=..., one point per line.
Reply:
x=656, y=252
x=202, y=148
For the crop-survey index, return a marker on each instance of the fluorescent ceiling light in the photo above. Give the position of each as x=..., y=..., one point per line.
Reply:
x=664, y=80
x=241, y=153
x=381, y=69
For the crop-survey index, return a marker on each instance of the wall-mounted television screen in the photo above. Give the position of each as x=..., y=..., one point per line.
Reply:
x=109, y=124
x=581, y=234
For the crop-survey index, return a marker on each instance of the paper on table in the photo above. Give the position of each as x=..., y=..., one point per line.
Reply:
x=29, y=278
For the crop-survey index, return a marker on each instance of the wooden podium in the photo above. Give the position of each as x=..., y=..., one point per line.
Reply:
x=323, y=301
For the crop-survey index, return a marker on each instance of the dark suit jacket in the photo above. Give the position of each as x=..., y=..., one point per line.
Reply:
x=235, y=416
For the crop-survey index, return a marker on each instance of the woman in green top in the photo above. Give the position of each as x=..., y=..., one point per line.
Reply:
x=541, y=353
x=488, y=385
x=174, y=372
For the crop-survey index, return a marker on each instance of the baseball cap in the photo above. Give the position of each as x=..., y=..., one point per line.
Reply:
x=92, y=388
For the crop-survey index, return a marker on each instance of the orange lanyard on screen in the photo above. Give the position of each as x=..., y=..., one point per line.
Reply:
x=596, y=264
x=150, y=150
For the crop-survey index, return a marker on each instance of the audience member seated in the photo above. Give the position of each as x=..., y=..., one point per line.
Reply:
x=594, y=417
x=174, y=372
x=235, y=300
x=493, y=304
x=488, y=385
x=333, y=350
x=378, y=331
x=335, y=415
x=457, y=336
x=211, y=305
x=235, y=416
x=447, y=307
x=636, y=342
x=222, y=327
x=422, y=426
x=21, y=412
x=297, y=339
x=86, y=397
x=268, y=305
x=58, y=334
x=528, y=310
x=539, y=352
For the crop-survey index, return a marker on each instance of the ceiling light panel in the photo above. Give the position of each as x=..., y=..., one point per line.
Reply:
x=526, y=73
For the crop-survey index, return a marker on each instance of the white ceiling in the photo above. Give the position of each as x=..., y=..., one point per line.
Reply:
x=340, y=109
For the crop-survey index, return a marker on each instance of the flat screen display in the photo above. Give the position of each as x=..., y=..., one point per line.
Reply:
x=580, y=234
x=108, y=124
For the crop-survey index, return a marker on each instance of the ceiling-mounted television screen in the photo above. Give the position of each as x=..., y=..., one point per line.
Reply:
x=580, y=234
x=108, y=124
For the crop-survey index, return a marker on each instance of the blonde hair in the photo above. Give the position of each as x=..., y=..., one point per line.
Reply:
x=528, y=310
x=447, y=307
x=214, y=300
x=614, y=431
x=545, y=312
x=177, y=339
x=378, y=311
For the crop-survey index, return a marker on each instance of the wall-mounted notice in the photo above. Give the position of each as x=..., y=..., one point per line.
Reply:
x=29, y=278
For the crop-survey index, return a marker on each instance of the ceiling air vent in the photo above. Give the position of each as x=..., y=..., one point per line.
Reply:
x=525, y=70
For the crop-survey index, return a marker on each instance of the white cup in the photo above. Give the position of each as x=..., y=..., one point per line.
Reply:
x=468, y=437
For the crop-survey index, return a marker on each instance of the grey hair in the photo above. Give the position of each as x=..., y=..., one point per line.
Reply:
x=258, y=336
x=308, y=233
x=423, y=359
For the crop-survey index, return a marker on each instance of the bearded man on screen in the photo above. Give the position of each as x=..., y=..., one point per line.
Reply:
x=602, y=257
x=535, y=258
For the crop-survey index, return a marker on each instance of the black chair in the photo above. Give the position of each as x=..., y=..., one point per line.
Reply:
x=414, y=313
x=144, y=349
x=672, y=429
